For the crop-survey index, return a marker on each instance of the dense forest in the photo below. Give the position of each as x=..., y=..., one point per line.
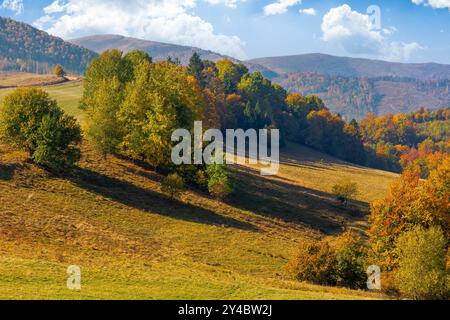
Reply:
x=355, y=97
x=24, y=48
x=418, y=140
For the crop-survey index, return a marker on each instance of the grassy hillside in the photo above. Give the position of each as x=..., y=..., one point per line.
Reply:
x=111, y=219
x=67, y=94
x=23, y=79
x=131, y=242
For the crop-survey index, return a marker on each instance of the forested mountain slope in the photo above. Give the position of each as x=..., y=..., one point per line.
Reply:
x=25, y=48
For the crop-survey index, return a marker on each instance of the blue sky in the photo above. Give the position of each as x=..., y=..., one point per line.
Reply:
x=404, y=30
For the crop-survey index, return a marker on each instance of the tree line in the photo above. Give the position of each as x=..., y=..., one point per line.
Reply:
x=133, y=105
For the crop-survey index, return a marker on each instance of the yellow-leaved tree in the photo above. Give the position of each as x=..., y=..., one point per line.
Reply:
x=411, y=202
x=160, y=99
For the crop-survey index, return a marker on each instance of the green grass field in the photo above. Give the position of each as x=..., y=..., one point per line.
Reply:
x=67, y=94
x=131, y=242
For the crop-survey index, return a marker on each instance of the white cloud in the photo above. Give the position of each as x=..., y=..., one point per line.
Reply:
x=55, y=7
x=435, y=4
x=309, y=11
x=279, y=7
x=354, y=32
x=13, y=5
x=228, y=3
x=159, y=20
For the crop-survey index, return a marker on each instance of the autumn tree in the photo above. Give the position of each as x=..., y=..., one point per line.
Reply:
x=59, y=71
x=196, y=67
x=230, y=74
x=31, y=121
x=173, y=185
x=219, y=181
x=103, y=128
x=345, y=191
x=160, y=99
x=410, y=202
x=103, y=93
x=421, y=272
x=262, y=99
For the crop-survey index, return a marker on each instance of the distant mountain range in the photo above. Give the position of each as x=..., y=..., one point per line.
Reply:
x=353, y=67
x=157, y=50
x=349, y=86
x=353, y=87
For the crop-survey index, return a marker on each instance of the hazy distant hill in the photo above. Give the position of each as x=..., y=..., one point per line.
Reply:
x=354, y=97
x=354, y=67
x=158, y=50
x=24, y=48
x=354, y=87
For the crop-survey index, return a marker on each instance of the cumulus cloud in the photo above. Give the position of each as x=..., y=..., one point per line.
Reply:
x=13, y=5
x=228, y=3
x=355, y=33
x=435, y=4
x=279, y=7
x=309, y=11
x=159, y=20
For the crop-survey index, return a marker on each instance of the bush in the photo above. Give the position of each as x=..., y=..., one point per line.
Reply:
x=422, y=264
x=219, y=183
x=350, y=254
x=336, y=262
x=173, y=185
x=345, y=190
x=313, y=263
x=31, y=121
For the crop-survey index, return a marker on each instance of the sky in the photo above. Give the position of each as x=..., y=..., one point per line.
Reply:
x=393, y=30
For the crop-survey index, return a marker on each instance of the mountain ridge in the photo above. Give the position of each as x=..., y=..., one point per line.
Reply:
x=353, y=67
x=26, y=48
x=158, y=50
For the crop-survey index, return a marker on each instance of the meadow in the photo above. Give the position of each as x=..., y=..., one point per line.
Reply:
x=132, y=242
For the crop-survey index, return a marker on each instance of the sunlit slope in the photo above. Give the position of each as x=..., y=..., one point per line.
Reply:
x=110, y=218
x=302, y=166
x=67, y=94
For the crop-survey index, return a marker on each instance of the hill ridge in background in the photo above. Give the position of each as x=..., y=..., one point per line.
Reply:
x=353, y=67
x=354, y=87
x=158, y=50
x=25, y=48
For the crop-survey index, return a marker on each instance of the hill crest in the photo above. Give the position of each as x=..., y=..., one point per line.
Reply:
x=353, y=67
x=25, y=48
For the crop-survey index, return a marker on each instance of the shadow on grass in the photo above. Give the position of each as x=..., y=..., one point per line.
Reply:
x=136, y=197
x=7, y=171
x=282, y=200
